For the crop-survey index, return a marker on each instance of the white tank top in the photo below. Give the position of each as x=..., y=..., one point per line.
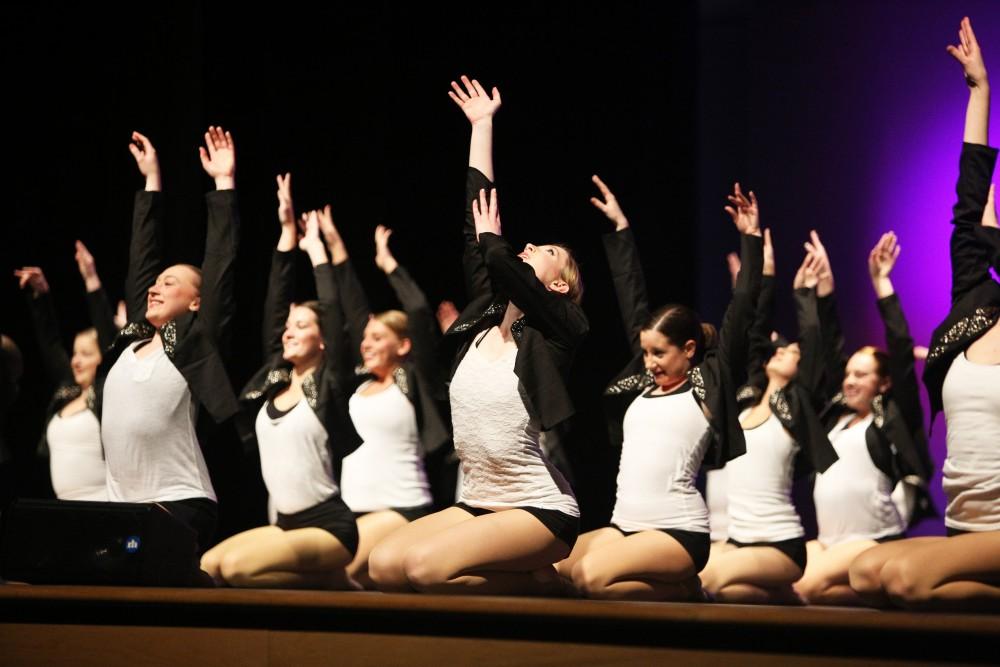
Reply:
x=853, y=497
x=717, y=499
x=294, y=458
x=760, y=486
x=498, y=441
x=662, y=451
x=386, y=471
x=148, y=430
x=76, y=458
x=971, y=395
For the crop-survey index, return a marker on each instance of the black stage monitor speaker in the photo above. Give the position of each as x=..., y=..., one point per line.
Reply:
x=77, y=542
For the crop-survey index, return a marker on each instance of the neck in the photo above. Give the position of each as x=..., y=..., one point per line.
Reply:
x=511, y=315
x=671, y=384
x=303, y=369
x=384, y=373
x=773, y=385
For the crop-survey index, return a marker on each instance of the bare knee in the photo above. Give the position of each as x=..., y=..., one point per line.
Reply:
x=903, y=583
x=865, y=573
x=589, y=580
x=811, y=588
x=235, y=568
x=210, y=561
x=385, y=568
x=422, y=569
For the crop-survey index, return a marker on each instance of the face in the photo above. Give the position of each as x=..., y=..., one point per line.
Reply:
x=548, y=261
x=666, y=361
x=381, y=348
x=176, y=291
x=86, y=359
x=862, y=382
x=302, y=342
x=784, y=364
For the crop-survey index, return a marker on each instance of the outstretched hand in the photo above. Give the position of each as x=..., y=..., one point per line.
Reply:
x=883, y=256
x=808, y=273
x=734, y=264
x=383, y=256
x=334, y=243
x=609, y=207
x=474, y=102
x=121, y=315
x=145, y=159
x=743, y=211
x=990, y=212
x=486, y=213
x=768, y=269
x=967, y=53
x=218, y=158
x=310, y=241
x=824, y=270
x=446, y=315
x=286, y=214
x=88, y=267
x=34, y=277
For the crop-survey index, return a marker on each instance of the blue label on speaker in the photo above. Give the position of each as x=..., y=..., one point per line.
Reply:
x=132, y=544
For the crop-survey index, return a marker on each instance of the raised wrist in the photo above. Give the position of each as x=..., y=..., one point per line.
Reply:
x=153, y=183
x=92, y=283
x=225, y=182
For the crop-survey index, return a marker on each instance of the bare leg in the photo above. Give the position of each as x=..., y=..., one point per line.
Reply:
x=649, y=565
x=825, y=580
x=385, y=563
x=211, y=560
x=509, y=552
x=865, y=573
x=586, y=543
x=372, y=529
x=757, y=575
x=960, y=573
x=269, y=557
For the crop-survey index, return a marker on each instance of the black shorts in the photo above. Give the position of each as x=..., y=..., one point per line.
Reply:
x=199, y=514
x=408, y=513
x=794, y=548
x=891, y=538
x=566, y=528
x=697, y=545
x=332, y=515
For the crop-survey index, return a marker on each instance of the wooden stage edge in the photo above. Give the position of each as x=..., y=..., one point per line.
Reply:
x=83, y=625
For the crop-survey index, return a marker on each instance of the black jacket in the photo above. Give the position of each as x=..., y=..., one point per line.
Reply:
x=326, y=389
x=548, y=335
x=420, y=377
x=896, y=439
x=714, y=378
x=975, y=296
x=193, y=341
x=54, y=357
x=792, y=404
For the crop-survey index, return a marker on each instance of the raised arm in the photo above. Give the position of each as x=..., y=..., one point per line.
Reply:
x=352, y=298
x=479, y=108
x=810, y=371
x=833, y=359
x=327, y=294
x=46, y=325
x=969, y=259
x=101, y=316
x=281, y=282
x=626, y=267
x=218, y=302
x=760, y=330
x=733, y=336
x=145, y=259
x=421, y=320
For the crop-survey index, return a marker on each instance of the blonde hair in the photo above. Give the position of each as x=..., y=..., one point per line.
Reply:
x=197, y=273
x=396, y=320
x=571, y=275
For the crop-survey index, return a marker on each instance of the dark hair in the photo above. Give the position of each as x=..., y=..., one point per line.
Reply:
x=319, y=310
x=881, y=360
x=681, y=324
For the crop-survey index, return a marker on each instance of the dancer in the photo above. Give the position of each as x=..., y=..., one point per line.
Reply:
x=680, y=396
x=303, y=431
x=766, y=549
x=71, y=441
x=876, y=427
x=516, y=515
x=962, y=571
x=165, y=364
x=398, y=410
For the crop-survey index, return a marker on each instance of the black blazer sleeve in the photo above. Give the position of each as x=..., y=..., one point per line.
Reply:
x=969, y=258
x=477, y=278
x=559, y=319
x=222, y=237
x=333, y=322
x=905, y=389
x=280, y=290
x=422, y=324
x=354, y=303
x=54, y=357
x=102, y=318
x=810, y=371
x=760, y=334
x=832, y=354
x=629, y=282
x=733, y=337
x=145, y=258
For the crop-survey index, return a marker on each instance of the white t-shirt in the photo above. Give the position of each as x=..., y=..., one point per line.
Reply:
x=386, y=471
x=294, y=458
x=853, y=497
x=76, y=458
x=760, y=486
x=148, y=430
x=971, y=395
x=662, y=451
x=498, y=441
x=717, y=499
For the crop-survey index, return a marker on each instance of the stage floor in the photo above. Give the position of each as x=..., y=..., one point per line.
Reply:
x=87, y=625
